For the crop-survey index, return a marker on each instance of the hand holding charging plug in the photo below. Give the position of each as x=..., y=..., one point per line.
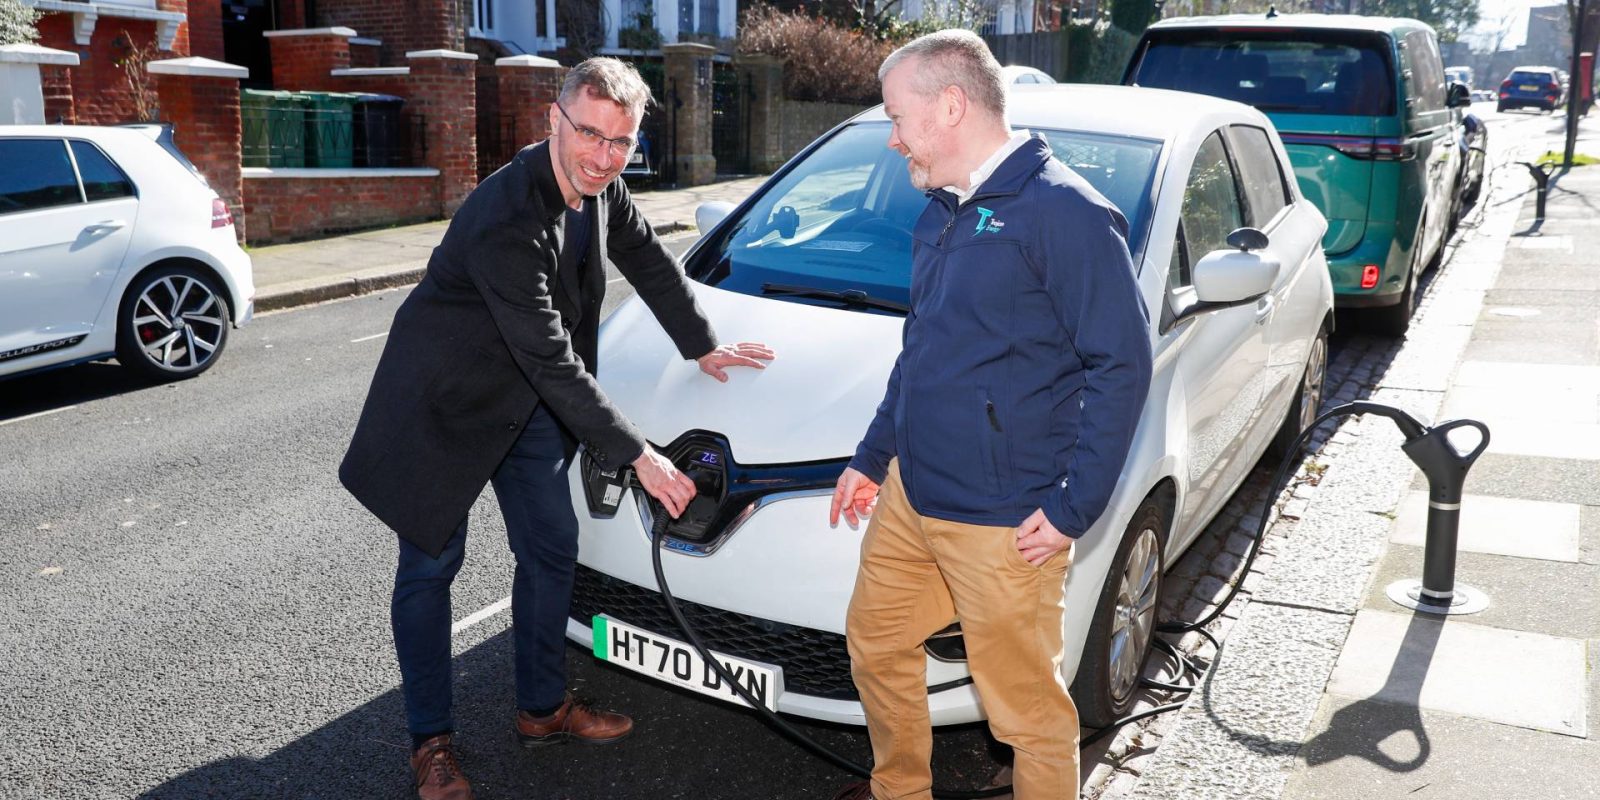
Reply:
x=663, y=481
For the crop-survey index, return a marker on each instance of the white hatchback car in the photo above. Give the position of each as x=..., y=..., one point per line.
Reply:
x=112, y=244
x=817, y=264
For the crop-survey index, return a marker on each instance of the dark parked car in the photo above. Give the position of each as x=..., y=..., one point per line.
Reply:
x=1539, y=87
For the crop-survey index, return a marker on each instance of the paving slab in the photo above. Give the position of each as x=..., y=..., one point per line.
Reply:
x=1555, y=598
x=1499, y=525
x=1363, y=750
x=1524, y=679
x=1531, y=477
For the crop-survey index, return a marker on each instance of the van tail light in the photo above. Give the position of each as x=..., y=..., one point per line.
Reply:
x=221, y=217
x=1366, y=148
x=1369, y=276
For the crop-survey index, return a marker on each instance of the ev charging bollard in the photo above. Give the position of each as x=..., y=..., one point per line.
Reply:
x=1541, y=182
x=1446, y=470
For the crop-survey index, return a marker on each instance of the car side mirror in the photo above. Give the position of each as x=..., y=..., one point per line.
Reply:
x=709, y=214
x=1458, y=96
x=1232, y=277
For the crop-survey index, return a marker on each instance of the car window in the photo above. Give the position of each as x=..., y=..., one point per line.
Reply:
x=1346, y=73
x=102, y=180
x=1260, y=173
x=1211, y=208
x=1527, y=76
x=1424, y=72
x=34, y=174
x=842, y=217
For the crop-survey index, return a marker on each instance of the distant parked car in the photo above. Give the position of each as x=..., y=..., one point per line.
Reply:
x=817, y=262
x=112, y=244
x=1544, y=88
x=1362, y=105
x=1025, y=76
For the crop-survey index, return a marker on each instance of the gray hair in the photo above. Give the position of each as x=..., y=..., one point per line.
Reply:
x=608, y=79
x=953, y=57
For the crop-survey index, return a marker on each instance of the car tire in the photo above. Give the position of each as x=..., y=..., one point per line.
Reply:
x=1307, y=400
x=173, y=323
x=1500, y=108
x=1111, y=669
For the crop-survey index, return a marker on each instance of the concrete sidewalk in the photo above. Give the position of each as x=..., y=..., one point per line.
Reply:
x=289, y=275
x=1325, y=687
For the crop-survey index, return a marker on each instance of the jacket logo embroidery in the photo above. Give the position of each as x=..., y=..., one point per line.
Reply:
x=986, y=222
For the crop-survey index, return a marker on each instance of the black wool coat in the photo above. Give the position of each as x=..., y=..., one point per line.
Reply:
x=493, y=330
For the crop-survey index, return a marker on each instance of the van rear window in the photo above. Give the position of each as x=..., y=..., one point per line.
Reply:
x=1297, y=71
x=1540, y=78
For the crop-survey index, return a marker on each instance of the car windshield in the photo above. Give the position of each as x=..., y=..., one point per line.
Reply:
x=836, y=229
x=1342, y=73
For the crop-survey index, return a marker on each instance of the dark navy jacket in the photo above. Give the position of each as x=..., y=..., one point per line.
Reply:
x=1026, y=354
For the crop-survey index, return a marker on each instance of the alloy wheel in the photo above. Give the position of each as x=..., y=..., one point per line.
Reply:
x=178, y=323
x=1311, y=382
x=1134, y=622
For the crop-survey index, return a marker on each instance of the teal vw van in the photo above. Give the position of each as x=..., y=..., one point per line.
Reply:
x=1366, y=115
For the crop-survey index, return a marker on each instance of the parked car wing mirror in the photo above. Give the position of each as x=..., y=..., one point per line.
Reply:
x=709, y=214
x=1247, y=239
x=1459, y=96
x=1228, y=277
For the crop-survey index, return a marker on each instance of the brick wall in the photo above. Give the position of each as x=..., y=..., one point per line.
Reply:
x=365, y=55
x=56, y=81
x=526, y=93
x=302, y=62
x=204, y=113
x=374, y=84
x=204, y=29
x=403, y=27
x=180, y=44
x=283, y=209
x=802, y=122
x=443, y=90
x=102, y=92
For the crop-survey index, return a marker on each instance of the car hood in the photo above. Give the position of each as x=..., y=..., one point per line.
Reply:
x=812, y=402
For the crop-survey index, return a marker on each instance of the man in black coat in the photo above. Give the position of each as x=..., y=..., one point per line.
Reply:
x=488, y=376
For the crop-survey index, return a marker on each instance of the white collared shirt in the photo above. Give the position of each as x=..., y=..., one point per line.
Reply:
x=987, y=168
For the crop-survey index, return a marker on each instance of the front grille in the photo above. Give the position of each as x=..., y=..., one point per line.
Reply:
x=814, y=662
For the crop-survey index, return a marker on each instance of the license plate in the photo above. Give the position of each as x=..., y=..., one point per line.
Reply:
x=1526, y=88
x=677, y=663
x=637, y=159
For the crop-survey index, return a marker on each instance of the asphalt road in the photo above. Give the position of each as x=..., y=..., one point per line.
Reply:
x=194, y=608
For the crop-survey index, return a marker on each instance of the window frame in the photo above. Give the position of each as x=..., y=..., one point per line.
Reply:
x=83, y=189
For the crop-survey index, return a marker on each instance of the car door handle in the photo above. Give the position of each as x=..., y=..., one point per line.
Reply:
x=105, y=226
x=1264, y=309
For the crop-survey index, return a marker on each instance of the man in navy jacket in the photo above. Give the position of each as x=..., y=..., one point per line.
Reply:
x=1007, y=419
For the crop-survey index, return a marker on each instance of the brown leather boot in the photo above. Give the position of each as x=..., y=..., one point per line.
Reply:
x=576, y=721
x=435, y=772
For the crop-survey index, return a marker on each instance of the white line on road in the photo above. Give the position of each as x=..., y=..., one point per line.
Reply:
x=370, y=338
x=480, y=615
x=39, y=414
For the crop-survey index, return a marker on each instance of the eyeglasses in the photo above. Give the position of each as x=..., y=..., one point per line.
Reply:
x=620, y=146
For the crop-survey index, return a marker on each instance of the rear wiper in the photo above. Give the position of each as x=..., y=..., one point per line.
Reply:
x=849, y=297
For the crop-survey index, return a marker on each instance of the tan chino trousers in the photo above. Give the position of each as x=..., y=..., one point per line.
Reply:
x=918, y=574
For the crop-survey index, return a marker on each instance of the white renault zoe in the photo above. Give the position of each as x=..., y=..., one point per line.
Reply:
x=817, y=264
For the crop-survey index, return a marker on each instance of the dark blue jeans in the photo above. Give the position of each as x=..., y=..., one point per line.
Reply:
x=531, y=484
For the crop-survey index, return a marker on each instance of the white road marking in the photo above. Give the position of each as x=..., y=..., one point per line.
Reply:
x=37, y=415
x=480, y=615
x=370, y=338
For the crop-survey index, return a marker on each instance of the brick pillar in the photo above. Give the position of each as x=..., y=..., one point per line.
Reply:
x=764, y=74
x=56, y=81
x=689, y=77
x=442, y=87
x=529, y=85
x=302, y=59
x=200, y=97
x=204, y=29
x=30, y=83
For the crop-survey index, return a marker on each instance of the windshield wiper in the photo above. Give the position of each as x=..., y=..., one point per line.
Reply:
x=849, y=297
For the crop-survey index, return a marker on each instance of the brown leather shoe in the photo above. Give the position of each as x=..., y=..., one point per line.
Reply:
x=576, y=721
x=435, y=772
x=860, y=790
